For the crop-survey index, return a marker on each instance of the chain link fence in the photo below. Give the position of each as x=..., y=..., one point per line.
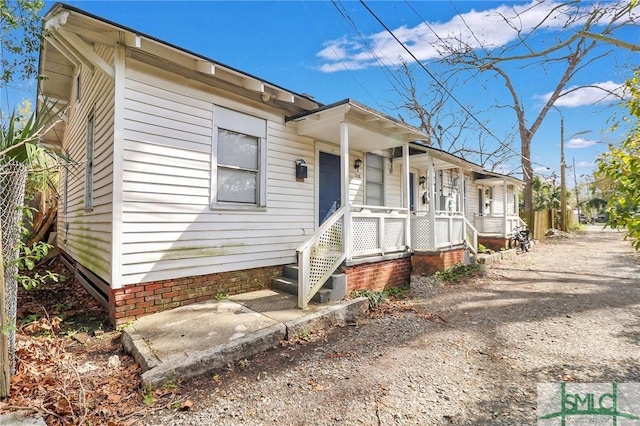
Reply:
x=13, y=178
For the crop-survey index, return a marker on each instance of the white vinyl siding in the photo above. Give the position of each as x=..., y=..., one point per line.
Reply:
x=88, y=168
x=86, y=234
x=393, y=192
x=169, y=229
x=497, y=206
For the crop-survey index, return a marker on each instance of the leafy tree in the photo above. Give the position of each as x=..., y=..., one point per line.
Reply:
x=545, y=194
x=20, y=40
x=621, y=165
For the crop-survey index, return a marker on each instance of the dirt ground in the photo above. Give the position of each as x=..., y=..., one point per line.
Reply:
x=467, y=354
x=464, y=354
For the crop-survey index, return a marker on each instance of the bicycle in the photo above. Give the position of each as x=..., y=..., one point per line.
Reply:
x=520, y=238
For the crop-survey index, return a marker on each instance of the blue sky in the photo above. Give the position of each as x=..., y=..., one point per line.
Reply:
x=324, y=49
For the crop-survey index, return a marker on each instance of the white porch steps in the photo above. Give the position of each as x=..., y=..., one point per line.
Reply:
x=334, y=289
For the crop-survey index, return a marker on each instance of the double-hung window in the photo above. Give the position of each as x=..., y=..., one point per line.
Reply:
x=374, y=180
x=238, y=160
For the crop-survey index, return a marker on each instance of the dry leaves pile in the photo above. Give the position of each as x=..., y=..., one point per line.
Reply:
x=72, y=372
x=71, y=383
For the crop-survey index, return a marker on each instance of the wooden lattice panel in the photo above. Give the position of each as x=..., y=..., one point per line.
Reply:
x=421, y=233
x=394, y=233
x=366, y=234
x=325, y=252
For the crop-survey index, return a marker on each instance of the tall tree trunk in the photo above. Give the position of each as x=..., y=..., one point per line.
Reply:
x=527, y=173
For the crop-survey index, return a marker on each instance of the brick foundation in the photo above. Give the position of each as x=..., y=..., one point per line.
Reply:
x=428, y=263
x=493, y=243
x=134, y=301
x=377, y=276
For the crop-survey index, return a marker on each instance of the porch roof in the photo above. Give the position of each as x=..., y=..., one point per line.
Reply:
x=369, y=130
x=69, y=35
x=445, y=160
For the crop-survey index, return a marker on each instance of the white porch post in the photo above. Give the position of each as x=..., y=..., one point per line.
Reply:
x=463, y=197
x=431, y=181
x=504, y=208
x=461, y=191
x=407, y=194
x=344, y=185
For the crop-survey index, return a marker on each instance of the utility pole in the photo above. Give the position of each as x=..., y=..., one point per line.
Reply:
x=563, y=183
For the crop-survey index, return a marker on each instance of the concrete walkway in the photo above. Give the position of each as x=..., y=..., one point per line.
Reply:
x=198, y=338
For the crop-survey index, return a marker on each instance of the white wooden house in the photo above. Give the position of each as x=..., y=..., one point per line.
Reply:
x=190, y=178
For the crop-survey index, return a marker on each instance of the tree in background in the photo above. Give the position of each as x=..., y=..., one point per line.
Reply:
x=546, y=195
x=574, y=48
x=621, y=166
x=430, y=103
x=20, y=42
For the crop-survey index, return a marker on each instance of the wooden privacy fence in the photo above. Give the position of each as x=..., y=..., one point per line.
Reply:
x=538, y=222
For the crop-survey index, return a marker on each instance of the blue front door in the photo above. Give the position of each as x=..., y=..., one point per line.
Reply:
x=329, y=192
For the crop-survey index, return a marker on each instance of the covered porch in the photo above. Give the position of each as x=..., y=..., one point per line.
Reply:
x=397, y=196
x=494, y=209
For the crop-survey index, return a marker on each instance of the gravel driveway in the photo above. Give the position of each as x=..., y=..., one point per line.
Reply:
x=472, y=354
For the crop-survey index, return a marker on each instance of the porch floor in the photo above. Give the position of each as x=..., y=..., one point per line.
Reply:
x=201, y=337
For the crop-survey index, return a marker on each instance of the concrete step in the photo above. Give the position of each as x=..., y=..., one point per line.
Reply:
x=334, y=289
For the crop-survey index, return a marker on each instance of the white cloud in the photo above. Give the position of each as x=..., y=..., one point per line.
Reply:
x=579, y=143
x=585, y=164
x=487, y=28
x=576, y=96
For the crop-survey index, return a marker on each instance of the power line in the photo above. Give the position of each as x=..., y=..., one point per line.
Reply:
x=443, y=87
x=388, y=75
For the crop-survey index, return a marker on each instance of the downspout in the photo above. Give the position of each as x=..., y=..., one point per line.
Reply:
x=344, y=186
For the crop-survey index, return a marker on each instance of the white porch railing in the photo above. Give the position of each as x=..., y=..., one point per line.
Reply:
x=377, y=230
x=320, y=256
x=520, y=222
x=448, y=230
x=471, y=236
x=494, y=224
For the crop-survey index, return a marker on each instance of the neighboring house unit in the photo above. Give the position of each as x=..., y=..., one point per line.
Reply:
x=190, y=178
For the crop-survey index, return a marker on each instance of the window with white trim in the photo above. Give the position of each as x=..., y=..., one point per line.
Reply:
x=374, y=173
x=238, y=160
x=88, y=167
